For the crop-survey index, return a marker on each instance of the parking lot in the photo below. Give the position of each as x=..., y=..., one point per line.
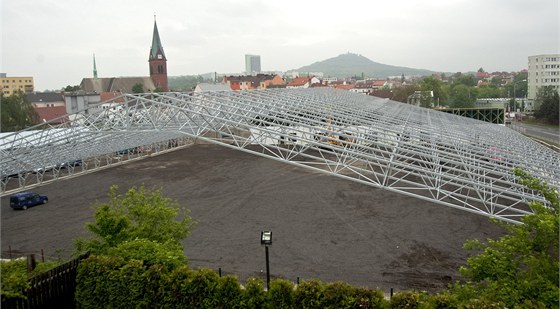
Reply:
x=322, y=226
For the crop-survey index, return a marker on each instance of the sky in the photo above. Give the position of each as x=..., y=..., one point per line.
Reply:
x=54, y=40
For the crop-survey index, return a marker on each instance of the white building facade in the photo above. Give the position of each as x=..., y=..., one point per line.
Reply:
x=543, y=70
x=252, y=64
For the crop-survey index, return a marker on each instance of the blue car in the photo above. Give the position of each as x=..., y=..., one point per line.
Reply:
x=25, y=200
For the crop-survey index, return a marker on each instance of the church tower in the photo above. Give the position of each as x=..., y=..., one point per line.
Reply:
x=158, y=62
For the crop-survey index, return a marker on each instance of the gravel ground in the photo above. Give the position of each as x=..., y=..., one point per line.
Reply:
x=323, y=226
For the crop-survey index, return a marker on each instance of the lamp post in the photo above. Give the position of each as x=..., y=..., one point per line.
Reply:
x=266, y=240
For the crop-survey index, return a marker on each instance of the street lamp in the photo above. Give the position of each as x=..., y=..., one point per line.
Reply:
x=266, y=240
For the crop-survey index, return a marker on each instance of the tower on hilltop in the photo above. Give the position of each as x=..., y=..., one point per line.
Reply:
x=158, y=62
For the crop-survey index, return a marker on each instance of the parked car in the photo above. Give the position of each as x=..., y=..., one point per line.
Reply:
x=25, y=200
x=73, y=163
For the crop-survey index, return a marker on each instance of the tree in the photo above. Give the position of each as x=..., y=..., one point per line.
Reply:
x=401, y=94
x=139, y=217
x=548, y=103
x=522, y=267
x=462, y=96
x=467, y=80
x=431, y=83
x=138, y=88
x=489, y=91
x=17, y=113
x=72, y=88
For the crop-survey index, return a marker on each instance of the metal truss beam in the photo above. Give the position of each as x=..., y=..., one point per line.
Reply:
x=448, y=159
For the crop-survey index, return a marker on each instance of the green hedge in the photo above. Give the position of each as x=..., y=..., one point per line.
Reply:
x=119, y=283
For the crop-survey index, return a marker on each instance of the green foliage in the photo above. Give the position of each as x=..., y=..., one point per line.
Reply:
x=522, y=265
x=140, y=214
x=184, y=83
x=138, y=88
x=254, y=295
x=462, y=96
x=72, y=88
x=119, y=283
x=309, y=294
x=440, y=92
x=111, y=281
x=338, y=295
x=490, y=91
x=177, y=288
x=17, y=113
x=15, y=278
x=401, y=94
x=229, y=293
x=548, y=104
x=468, y=80
x=409, y=299
x=168, y=254
x=280, y=295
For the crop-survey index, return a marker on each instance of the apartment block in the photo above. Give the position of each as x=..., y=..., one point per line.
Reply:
x=252, y=64
x=543, y=70
x=12, y=84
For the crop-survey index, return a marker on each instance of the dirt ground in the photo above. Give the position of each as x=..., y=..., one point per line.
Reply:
x=322, y=226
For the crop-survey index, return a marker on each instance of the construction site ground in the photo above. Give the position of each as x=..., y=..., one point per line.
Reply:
x=322, y=226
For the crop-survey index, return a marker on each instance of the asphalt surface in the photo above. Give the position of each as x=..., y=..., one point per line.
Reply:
x=322, y=226
x=543, y=133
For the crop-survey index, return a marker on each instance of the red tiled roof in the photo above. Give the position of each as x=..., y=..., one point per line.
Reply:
x=299, y=81
x=49, y=113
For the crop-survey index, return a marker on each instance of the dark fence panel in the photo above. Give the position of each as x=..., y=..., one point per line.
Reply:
x=55, y=288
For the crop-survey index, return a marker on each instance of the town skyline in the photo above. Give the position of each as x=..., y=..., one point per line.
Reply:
x=199, y=38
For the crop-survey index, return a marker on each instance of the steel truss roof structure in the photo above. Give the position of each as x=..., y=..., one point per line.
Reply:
x=448, y=159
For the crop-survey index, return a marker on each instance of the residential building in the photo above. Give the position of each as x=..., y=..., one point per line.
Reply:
x=277, y=81
x=544, y=70
x=252, y=64
x=246, y=82
x=17, y=83
x=303, y=82
x=49, y=106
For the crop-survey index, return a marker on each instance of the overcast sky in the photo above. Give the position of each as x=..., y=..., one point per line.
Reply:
x=54, y=40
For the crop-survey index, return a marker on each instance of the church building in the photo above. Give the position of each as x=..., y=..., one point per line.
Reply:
x=157, y=81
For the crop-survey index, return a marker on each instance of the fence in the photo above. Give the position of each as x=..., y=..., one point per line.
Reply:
x=52, y=289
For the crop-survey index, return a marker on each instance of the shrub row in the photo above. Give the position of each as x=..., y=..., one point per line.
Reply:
x=113, y=282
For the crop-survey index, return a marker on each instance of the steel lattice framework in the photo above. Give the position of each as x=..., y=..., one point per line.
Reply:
x=448, y=159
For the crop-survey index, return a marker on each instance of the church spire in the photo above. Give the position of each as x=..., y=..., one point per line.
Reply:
x=158, y=61
x=156, y=52
x=94, y=68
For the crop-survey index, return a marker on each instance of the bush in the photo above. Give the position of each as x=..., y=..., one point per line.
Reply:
x=370, y=298
x=229, y=293
x=201, y=291
x=254, y=295
x=408, y=299
x=280, y=295
x=168, y=254
x=176, y=290
x=14, y=279
x=309, y=294
x=339, y=295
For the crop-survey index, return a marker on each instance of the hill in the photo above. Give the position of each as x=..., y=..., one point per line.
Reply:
x=349, y=64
